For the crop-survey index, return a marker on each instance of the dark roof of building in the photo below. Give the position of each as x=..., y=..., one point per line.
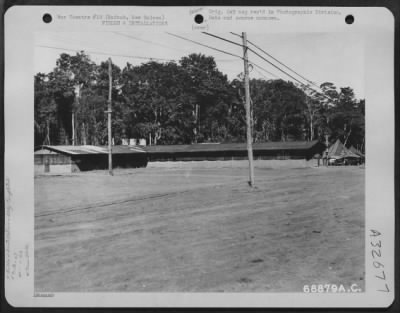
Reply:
x=210, y=147
x=80, y=150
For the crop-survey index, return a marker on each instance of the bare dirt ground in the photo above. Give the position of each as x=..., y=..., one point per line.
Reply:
x=199, y=230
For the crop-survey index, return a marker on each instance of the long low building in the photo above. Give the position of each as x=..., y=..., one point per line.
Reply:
x=67, y=159
x=236, y=151
x=61, y=159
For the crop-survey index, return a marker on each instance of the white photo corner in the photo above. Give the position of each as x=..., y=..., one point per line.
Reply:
x=199, y=156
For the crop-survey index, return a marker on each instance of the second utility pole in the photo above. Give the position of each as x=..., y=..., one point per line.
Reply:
x=247, y=104
x=110, y=169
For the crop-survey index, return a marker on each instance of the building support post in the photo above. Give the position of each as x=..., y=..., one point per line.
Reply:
x=248, y=113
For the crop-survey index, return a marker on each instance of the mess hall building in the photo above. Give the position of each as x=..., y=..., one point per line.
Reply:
x=83, y=158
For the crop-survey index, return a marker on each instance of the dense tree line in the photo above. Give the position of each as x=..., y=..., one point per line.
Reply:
x=186, y=102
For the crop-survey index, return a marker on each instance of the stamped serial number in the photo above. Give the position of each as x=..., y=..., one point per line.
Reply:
x=333, y=288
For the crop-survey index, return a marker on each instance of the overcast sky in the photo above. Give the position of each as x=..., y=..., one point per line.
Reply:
x=319, y=57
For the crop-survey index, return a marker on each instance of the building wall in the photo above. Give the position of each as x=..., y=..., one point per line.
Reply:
x=234, y=163
x=52, y=163
x=228, y=155
x=100, y=161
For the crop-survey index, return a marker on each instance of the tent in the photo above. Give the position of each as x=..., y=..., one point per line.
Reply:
x=358, y=152
x=339, y=153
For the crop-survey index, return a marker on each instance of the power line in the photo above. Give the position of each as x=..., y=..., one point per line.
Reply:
x=226, y=60
x=276, y=60
x=287, y=67
x=164, y=46
x=238, y=44
x=224, y=39
x=107, y=54
x=263, y=69
x=240, y=36
x=301, y=83
x=149, y=58
x=74, y=41
x=260, y=56
x=147, y=41
x=120, y=55
x=210, y=47
x=67, y=40
x=261, y=74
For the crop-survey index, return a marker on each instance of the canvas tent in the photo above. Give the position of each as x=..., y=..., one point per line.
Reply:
x=338, y=152
x=358, y=152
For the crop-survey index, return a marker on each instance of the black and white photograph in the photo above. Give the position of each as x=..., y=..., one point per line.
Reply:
x=219, y=161
x=205, y=162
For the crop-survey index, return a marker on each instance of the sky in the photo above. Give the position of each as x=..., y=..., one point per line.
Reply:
x=319, y=57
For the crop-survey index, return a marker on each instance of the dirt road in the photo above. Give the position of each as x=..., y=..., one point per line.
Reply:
x=199, y=230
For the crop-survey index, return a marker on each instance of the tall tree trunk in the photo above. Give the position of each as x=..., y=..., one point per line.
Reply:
x=83, y=133
x=47, y=138
x=347, y=137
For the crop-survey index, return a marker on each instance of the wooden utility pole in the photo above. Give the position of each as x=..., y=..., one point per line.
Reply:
x=327, y=149
x=110, y=169
x=75, y=105
x=248, y=113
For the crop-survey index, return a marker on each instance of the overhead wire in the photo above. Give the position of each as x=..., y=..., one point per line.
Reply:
x=276, y=60
x=147, y=41
x=171, y=60
x=150, y=42
x=69, y=41
x=263, y=69
x=235, y=43
x=119, y=55
x=261, y=74
x=240, y=36
x=204, y=45
x=277, y=67
x=240, y=45
x=164, y=46
x=224, y=39
x=223, y=51
x=227, y=40
x=107, y=54
x=284, y=65
x=287, y=67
